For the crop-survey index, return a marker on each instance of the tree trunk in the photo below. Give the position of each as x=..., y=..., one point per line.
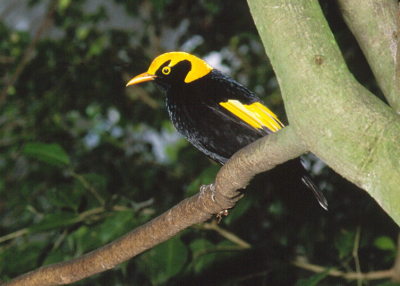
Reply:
x=339, y=120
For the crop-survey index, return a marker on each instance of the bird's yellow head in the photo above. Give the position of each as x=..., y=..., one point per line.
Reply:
x=174, y=67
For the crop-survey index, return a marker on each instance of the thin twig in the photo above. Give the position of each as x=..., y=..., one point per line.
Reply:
x=355, y=255
x=375, y=275
x=29, y=51
x=396, y=267
x=89, y=187
x=6, y=60
x=13, y=235
x=228, y=235
x=82, y=217
x=59, y=240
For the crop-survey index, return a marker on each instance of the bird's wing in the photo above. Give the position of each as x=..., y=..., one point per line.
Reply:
x=256, y=115
x=242, y=105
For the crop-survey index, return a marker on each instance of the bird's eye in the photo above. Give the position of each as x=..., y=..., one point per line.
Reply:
x=166, y=70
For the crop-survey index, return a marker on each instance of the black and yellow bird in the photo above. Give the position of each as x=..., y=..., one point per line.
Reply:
x=212, y=111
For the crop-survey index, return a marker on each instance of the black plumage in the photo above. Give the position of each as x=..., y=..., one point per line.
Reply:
x=194, y=106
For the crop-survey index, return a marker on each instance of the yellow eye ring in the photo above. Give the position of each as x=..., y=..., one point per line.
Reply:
x=166, y=70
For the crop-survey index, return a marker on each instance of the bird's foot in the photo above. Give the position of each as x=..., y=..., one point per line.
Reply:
x=211, y=186
x=203, y=189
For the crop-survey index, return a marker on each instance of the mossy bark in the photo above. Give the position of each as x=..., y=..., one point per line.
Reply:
x=374, y=24
x=339, y=120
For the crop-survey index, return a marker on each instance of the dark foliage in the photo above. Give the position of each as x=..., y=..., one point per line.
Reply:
x=84, y=159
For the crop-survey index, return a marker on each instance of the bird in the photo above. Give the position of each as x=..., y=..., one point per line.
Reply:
x=215, y=113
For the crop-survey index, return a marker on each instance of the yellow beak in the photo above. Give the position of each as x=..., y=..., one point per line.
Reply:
x=141, y=78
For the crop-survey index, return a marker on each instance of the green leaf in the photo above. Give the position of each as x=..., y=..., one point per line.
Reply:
x=87, y=183
x=385, y=243
x=173, y=150
x=85, y=239
x=82, y=33
x=389, y=284
x=344, y=242
x=65, y=196
x=206, y=254
x=96, y=47
x=116, y=225
x=57, y=255
x=241, y=208
x=164, y=261
x=52, y=154
x=54, y=221
x=202, y=258
x=20, y=258
x=160, y=4
x=11, y=90
x=313, y=280
x=62, y=5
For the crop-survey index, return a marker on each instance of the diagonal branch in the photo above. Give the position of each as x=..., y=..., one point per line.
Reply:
x=374, y=24
x=397, y=70
x=342, y=123
x=258, y=157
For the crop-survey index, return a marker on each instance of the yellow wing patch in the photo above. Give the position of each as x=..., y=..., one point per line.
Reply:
x=256, y=115
x=199, y=67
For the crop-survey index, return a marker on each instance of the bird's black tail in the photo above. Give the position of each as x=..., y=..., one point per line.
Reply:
x=317, y=191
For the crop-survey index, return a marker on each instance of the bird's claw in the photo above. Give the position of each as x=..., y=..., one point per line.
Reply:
x=203, y=189
x=220, y=214
x=211, y=186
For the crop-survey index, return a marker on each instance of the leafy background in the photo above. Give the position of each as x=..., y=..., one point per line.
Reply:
x=84, y=159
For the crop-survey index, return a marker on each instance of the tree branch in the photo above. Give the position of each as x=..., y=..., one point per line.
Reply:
x=228, y=235
x=375, y=275
x=392, y=273
x=397, y=71
x=396, y=266
x=258, y=157
x=374, y=24
x=338, y=119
